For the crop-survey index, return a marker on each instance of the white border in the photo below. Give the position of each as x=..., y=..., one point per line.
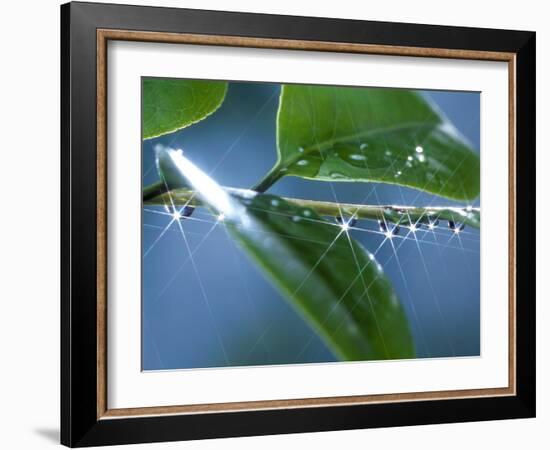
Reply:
x=128, y=387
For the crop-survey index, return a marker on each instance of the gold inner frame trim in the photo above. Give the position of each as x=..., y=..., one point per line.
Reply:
x=103, y=36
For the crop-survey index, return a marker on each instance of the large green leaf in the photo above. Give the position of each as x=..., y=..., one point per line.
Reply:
x=320, y=269
x=372, y=134
x=171, y=104
x=328, y=277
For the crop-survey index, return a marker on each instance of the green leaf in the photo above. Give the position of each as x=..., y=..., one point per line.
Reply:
x=372, y=134
x=336, y=284
x=171, y=104
x=332, y=280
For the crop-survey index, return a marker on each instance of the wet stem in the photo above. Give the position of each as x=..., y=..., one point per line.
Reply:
x=393, y=213
x=156, y=194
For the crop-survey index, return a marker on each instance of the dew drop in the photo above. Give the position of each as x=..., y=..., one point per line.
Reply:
x=303, y=162
x=432, y=224
x=269, y=243
x=306, y=213
x=182, y=213
x=300, y=149
x=456, y=227
x=357, y=157
x=419, y=149
x=363, y=146
x=421, y=157
x=348, y=222
x=274, y=202
x=387, y=153
x=410, y=158
x=388, y=231
x=187, y=211
x=337, y=175
x=398, y=173
x=296, y=218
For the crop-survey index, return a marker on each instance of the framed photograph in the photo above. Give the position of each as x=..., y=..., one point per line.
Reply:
x=276, y=224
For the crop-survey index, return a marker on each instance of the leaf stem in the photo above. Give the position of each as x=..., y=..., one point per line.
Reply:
x=268, y=180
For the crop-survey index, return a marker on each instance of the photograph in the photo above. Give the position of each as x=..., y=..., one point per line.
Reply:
x=278, y=222
x=297, y=224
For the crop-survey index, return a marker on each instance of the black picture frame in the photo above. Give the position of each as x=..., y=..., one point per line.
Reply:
x=80, y=425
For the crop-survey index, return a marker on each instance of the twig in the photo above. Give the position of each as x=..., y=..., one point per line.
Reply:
x=390, y=213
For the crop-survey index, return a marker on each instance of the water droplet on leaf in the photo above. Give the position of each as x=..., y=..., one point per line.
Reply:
x=337, y=175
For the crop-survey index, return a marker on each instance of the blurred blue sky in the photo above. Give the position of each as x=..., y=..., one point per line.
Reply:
x=437, y=281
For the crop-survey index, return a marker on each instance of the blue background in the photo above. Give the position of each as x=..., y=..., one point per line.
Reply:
x=437, y=283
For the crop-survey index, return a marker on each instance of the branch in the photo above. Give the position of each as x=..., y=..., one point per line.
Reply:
x=390, y=213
